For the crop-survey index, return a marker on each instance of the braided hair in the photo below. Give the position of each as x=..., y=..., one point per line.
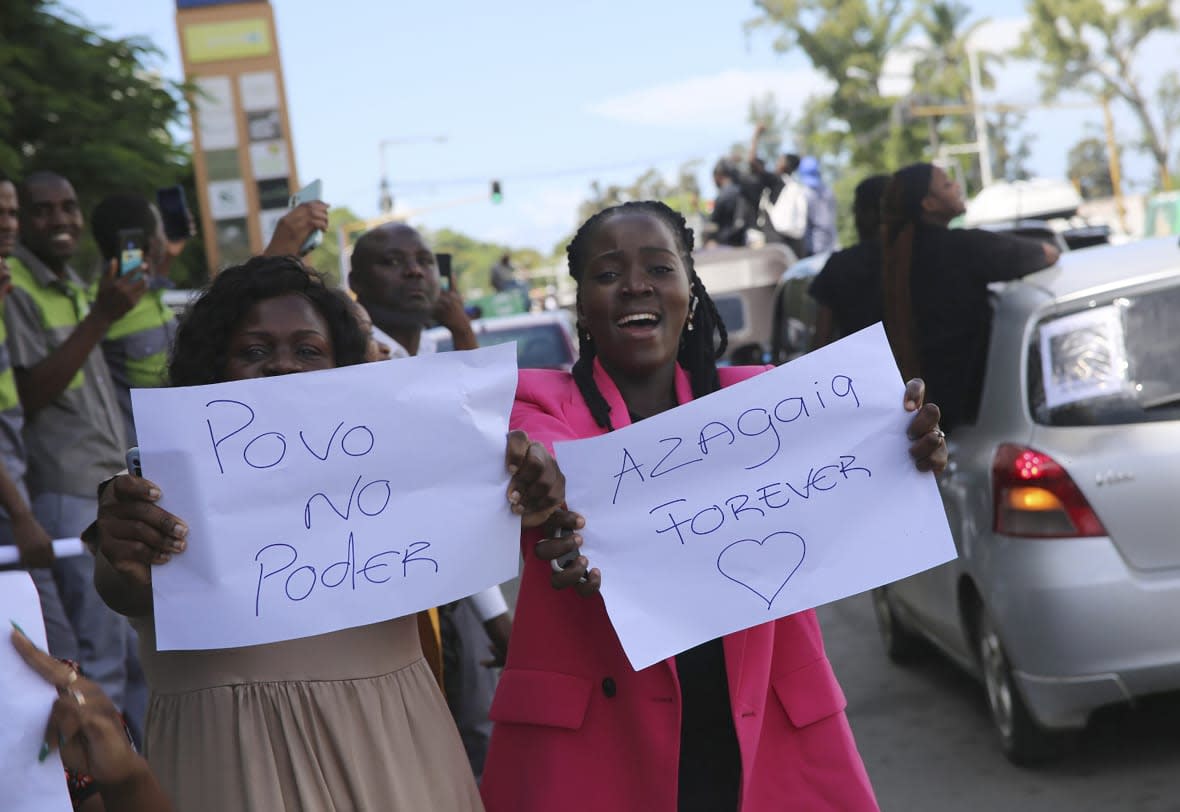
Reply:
x=700, y=347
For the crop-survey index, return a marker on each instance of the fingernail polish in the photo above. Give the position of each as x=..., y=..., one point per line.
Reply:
x=44, y=753
x=16, y=626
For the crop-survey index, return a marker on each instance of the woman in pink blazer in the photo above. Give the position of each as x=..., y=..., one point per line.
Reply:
x=753, y=721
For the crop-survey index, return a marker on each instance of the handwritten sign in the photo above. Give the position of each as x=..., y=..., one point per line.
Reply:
x=327, y=500
x=26, y=785
x=787, y=491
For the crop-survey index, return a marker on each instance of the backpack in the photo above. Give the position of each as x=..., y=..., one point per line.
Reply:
x=788, y=214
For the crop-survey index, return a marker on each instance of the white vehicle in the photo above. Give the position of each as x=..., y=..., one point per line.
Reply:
x=543, y=340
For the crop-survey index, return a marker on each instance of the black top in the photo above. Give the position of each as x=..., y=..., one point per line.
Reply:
x=731, y=216
x=850, y=286
x=710, y=774
x=710, y=760
x=949, y=275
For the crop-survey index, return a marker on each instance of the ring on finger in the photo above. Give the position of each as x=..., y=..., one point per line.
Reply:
x=78, y=697
x=940, y=434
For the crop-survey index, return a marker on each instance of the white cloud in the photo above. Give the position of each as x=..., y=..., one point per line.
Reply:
x=999, y=35
x=704, y=101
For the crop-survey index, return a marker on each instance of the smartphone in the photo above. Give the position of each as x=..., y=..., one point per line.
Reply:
x=444, y=271
x=312, y=191
x=174, y=213
x=132, y=459
x=131, y=245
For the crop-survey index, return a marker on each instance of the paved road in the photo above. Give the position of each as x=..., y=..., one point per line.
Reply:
x=926, y=739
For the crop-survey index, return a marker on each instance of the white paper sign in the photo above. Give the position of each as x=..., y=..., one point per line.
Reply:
x=787, y=491
x=26, y=785
x=327, y=500
x=1084, y=356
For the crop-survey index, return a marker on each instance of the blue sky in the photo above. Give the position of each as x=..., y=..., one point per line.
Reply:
x=531, y=92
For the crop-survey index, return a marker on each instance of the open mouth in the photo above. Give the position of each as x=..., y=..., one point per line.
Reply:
x=638, y=322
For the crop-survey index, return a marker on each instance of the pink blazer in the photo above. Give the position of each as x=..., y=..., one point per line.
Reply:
x=577, y=729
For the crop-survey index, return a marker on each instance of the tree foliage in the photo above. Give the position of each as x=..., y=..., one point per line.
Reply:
x=1089, y=168
x=1091, y=46
x=86, y=106
x=682, y=193
x=847, y=41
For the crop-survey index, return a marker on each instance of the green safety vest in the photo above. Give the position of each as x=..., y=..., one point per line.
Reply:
x=61, y=311
x=137, y=345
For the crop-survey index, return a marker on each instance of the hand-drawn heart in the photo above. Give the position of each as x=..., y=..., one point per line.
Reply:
x=759, y=565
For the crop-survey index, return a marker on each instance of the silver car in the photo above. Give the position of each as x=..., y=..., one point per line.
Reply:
x=1064, y=502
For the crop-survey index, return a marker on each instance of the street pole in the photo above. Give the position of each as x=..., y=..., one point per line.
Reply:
x=981, y=140
x=1114, y=162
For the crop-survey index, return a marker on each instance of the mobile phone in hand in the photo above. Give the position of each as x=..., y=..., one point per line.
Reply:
x=444, y=271
x=131, y=248
x=174, y=213
x=132, y=459
x=312, y=191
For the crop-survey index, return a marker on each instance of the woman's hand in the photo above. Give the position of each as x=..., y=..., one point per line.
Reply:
x=927, y=440
x=562, y=538
x=84, y=722
x=133, y=531
x=537, y=487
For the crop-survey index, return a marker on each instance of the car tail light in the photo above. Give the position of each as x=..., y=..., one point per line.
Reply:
x=1035, y=497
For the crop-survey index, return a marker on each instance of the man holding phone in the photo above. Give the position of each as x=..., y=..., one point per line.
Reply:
x=136, y=346
x=73, y=430
x=398, y=280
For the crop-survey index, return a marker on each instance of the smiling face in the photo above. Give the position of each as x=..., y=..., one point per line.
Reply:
x=279, y=336
x=633, y=295
x=51, y=221
x=395, y=276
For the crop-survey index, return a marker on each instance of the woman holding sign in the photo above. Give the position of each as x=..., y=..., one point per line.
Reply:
x=352, y=719
x=753, y=721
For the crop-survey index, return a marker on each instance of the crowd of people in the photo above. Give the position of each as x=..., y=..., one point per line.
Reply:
x=406, y=714
x=790, y=205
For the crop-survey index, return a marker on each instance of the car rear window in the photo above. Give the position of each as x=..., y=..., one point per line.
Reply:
x=538, y=346
x=733, y=315
x=1113, y=362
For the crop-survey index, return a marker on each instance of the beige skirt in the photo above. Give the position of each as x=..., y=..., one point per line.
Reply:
x=351, y=720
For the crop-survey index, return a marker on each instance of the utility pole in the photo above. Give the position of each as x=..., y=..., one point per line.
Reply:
x=1114, y=161
x=981, y=140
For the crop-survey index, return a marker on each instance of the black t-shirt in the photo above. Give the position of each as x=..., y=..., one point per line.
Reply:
x=949, y=275
x=710, y=760
x=710, y=770
x=850, y=286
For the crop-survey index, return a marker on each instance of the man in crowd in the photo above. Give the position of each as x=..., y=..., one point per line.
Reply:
x=820, y=236
x=18, y=525
x=136, y=346
x=395, y=277
x=73, y=428
x=732, y=215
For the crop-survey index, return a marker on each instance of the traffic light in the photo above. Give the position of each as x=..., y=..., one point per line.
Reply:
x=497, y=195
